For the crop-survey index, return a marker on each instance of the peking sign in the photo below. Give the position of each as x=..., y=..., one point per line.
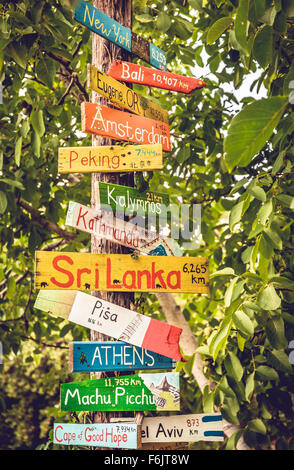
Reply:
x=112, y=320
x=135, y=392
x=96, y=356
x=134, y=73
x=123, y=96
x=110, y=29
x=121, y=272
x=110, y=435
x=110, y=158
x=120, y=125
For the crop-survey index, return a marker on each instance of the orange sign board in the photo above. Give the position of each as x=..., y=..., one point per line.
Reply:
x=120, y=125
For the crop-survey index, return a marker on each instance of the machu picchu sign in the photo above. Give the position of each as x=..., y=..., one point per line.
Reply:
x=121, y=272
x=131, y=201
x=112, y=320
x=112, y=435
x=183, y=428
x=110, y=158
x=123, y=96
x=96, y=356
x=135, y=73
x=157, y=392
x=121, y=125
x=110, y=29
x=103, y=224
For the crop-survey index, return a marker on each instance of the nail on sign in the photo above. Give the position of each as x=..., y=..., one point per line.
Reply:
x=134, y=73
x=108, y=28
x=96, y=356
x=120, y=272
x=112, y=435
x=157, y=392
x=112, y=320
x=115, y=158
x=120, y=125
x=123, y=96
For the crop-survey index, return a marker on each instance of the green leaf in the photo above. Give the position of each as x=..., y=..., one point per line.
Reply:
x=267, y=373
x=17, y=151
x=280, y=360
x=249, y=388
x=37, y=122
x=257, y=192
x=265, y=211
x=14, y=183
x=163, y=22
x=286, y=200
x=275, y=332
x=3, y=202
x=243, y=322
x=251, y=129
x=268, y=299
x=217, y=29
x=36, y=144
x=45, y=70
x=223, y=272
x=221, y=337
x=256, y=425
x=235, y=215
x=240, y=27
x=263, y=46
x=233, y=366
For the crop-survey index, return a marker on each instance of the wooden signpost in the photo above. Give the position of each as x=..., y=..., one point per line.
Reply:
x=120, y=272
x=91, y=356
x=112, y=320
x=108, y=28
x=123, y=96
x=130, y=201
x=103, y=224
x=145, y=391
x=110, y=159
x=119, y=125
x=134, y=73
x=112, y=435
x=183, y=428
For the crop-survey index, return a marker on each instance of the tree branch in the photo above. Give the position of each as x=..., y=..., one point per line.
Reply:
x=188, y=344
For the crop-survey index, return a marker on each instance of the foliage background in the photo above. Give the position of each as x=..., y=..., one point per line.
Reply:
x=240, y=169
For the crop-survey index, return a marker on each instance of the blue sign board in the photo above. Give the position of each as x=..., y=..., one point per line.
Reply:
x=114, y=355
x=110, y=29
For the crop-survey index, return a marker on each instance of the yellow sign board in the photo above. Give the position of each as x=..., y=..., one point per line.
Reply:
x=120, y=272
x=114, y=158
x=123, y=96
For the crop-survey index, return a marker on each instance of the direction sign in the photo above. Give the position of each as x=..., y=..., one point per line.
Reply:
x=110, y=158
x=103, y=224
x=131, y=201
x=120, y=125
x=158, y=392
x=120, y=272
x=112, y=320
x=96, y=356
x=183, y=428
x=108, y=28
x=123, y=96
x=134, y=73
x=112, y=435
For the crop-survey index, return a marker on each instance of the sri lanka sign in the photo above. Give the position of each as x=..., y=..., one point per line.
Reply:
x=110, y=29
x=112, y=435
x=134, y=73
x=120, y=125
x=120, y=272
x=112, y=320
x=103, y=224
x=96, y=356
x=126, y=393
x=115, y=158
x=123, y=96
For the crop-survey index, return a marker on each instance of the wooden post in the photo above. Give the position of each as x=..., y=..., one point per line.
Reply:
x=103, y=53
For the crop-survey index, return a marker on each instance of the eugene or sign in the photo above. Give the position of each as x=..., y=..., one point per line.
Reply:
x=112, y=435
x=120, y=125
x=134, y=73
x=112, y=320
x=130, y=201
x=135, y=392
x=115, y=158
x=123, y=96
x=183, y=428
x=103, y=224
x=110, y=29
x=96, y=356
x=120, y=272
